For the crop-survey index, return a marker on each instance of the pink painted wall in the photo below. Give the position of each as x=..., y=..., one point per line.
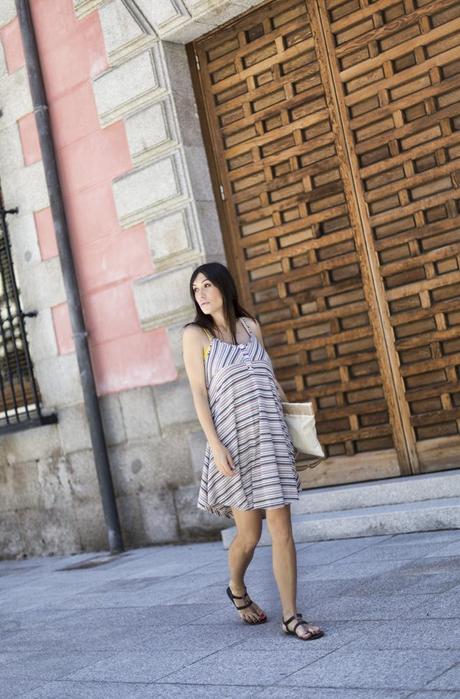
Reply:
x=107, y=257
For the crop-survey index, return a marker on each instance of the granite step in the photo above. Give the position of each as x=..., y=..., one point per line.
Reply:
x=444, y=484
x=424, y=515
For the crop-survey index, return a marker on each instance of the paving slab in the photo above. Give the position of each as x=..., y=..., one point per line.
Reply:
x=423, y=634
x=136, y=666
x=11, y=688
x=156, y=622
x=45, y=665
x=447, y=680
x=326, y=693
x=258, y=668
x=66, y=689
x=375, y=669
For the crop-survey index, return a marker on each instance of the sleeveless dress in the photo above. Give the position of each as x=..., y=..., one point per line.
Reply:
x=248, y=416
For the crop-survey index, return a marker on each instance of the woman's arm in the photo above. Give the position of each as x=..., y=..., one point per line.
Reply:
x=193, y=346
x=258, y=331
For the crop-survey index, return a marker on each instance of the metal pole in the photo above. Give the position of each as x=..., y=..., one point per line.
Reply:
x=80, y=334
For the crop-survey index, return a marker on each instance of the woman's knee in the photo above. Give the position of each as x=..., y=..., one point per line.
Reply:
x=249, y=529
x=279, y=526
x=248, y=540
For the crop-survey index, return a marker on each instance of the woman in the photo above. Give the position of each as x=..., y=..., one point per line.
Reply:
x=249, y=460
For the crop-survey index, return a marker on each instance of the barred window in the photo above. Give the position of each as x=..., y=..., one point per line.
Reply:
x=19, y=396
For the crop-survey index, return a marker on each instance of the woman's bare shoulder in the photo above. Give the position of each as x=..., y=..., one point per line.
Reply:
x=193, y=334
x=252, y=323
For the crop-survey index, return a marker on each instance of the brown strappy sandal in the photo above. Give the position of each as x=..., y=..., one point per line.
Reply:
x=312, y=635
x=233, y=597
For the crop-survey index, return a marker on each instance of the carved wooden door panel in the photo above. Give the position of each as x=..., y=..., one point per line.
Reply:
x=318, y=263
x=396, y=70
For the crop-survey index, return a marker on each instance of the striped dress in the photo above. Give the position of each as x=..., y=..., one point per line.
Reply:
x=248, y=416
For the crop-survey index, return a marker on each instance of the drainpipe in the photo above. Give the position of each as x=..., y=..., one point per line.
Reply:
x=80, y=334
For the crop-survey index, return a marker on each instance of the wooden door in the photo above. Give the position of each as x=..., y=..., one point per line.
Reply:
x=305, y=221
x=395, y=67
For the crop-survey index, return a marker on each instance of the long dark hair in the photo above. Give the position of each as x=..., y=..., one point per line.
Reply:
x=219, y=275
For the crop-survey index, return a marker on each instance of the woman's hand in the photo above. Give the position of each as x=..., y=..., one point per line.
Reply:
x=223, y=459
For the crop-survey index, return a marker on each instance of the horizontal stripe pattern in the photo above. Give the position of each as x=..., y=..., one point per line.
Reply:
x=248, y=415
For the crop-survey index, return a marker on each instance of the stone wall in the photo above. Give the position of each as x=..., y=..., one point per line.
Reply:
x=49, y=498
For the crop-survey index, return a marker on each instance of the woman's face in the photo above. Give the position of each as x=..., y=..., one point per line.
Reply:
x=207, y=296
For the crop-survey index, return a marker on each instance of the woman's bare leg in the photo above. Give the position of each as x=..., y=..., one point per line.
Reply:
x=248, y=530
x=285, y=562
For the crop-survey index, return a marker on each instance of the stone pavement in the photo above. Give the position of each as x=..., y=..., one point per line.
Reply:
x=156, y=623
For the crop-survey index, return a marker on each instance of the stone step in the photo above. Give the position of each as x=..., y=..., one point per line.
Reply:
x=426, y=515
x=445, y=484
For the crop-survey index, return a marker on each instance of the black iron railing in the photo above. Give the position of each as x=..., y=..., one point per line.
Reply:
x=19, y=396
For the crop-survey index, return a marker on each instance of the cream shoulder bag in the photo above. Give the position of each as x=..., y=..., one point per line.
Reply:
x=300, y=420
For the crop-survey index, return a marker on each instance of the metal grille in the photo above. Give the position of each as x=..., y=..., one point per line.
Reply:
x=19, y=398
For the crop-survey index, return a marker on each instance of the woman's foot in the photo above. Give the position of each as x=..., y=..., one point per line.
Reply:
x=248, y=610
x=296, y=626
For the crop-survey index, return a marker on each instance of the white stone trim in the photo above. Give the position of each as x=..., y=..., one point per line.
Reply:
x=114, y=90
x=163, y=298
x=7, y=11
x=114, y=17
x=182, y=249
x=85, y=7
x=131, y=191
x=134, y=130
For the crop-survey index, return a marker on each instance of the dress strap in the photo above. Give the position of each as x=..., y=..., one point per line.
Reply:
x=245, y=326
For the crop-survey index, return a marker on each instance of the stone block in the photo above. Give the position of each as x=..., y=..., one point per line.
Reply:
x=139, y=414
x=11, y=545
x=59, y=381
x=16, y=99
x=82, y=477
x=90, y=525
x=151, y=131
x=85, y=7
x=193, y=522
x=149, y=465
x=171, y=239
x=125, y=88
x=158, y=13
x=183, y=32
x=27, y=189
x=199, y=173
x=211, y=234
x=112, y=419
x=135, y=468
x=73, y=428
x=159, y=517
x=163, y=298
x=11, y=156
x=174, y=403
x=175, y=333
x=22, y=489
x=48, y=531
x=54, y=484
x=176, y=61
x=131, y=520
x=42, y=339
x=7, y=11
x=31, y=445
x=148, y=191
x=24, y=241
x=197, y=445
x=119, y=27
x=41, y=285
